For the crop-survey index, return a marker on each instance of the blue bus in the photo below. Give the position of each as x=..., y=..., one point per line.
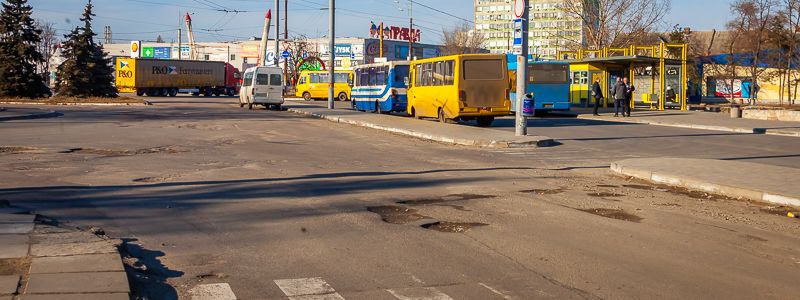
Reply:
x=549, y=82
x=380, y=87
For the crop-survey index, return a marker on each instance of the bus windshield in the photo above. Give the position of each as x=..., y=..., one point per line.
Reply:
x=400, y=75
x=548, y=73
x=483, y=69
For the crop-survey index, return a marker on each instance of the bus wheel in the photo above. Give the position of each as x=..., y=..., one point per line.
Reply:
x=414, y=113
x=231, y=92
x=173, y=92
x=342, y=97
x=307, y=96
x=485, y=121
x=442, y=118
x=139, y=92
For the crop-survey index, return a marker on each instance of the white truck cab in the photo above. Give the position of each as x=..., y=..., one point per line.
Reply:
x=262, y=86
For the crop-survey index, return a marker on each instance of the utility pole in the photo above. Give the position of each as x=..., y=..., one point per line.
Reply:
x=521, y=127
x=332, y=50
x=410, y=31
x=180, y=41
x=285, y=39
x=277, y=32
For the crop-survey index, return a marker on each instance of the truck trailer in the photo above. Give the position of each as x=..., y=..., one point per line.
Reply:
x=166, y=77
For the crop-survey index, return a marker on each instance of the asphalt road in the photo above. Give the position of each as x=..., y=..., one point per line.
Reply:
x=272, y=203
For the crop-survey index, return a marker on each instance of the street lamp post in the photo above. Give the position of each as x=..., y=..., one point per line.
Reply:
x=332, y=52
x=521, y=122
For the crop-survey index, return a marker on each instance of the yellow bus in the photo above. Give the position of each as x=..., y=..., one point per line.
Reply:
x=460, y=87
x=314, y=85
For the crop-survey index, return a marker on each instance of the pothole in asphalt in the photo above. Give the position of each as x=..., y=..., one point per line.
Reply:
x=613, y=214
x=544, y=191
x=211, y=275
x=607, y=185
x=604, y=194
x=110, y=152
x=448, y=198
x=777, y=210
x=396, y=214
x=14, y=266
x=16, y=150
x=638, y=186
x=444, y=226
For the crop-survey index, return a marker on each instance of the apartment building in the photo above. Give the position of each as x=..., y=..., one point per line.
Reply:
x=551, y=28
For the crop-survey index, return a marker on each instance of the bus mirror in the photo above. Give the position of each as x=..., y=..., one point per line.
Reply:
x=405, y=80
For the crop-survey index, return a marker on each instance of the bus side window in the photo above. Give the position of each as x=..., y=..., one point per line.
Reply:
x=314, y=78
x=380, y=78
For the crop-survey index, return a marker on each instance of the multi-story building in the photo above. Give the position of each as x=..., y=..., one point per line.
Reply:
x=551, y=28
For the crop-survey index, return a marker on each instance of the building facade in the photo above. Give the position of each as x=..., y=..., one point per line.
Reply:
x=551, y=27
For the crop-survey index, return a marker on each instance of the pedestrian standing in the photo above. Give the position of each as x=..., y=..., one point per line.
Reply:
x=628, y=96
x=597, y=92
x=619, y=92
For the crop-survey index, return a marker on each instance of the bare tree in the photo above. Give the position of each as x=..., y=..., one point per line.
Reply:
x=47, y=46
x=752, y=25
x=299, y=48
x=462, y=40
x=786, y=28
x=617, y=23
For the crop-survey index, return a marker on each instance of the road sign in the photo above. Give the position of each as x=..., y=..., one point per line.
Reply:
x=352, y=56
x=518, y=32
x=519, y=8
x=147, y=52
x=285, y=54
x=136, y=49
x=162, y=52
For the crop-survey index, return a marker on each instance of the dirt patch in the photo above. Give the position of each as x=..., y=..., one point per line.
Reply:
x=111, y=152
x=613, y=214
x=15, y=266
x=638, y=186
x=544, y=191
x=452, y=226
x=443, y=199
x=75, y=100
x=604, y=194
x=397, y=214
x=607, y=186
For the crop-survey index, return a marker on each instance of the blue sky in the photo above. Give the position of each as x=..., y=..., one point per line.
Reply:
x=146, y=19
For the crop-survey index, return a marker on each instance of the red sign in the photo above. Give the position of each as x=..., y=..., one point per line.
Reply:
x=396, y=33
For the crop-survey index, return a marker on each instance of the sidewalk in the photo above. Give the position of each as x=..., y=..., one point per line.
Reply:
x=40, y=260
x=22, y=113
x=696, y=120
x=424, y=129
x=735, y=179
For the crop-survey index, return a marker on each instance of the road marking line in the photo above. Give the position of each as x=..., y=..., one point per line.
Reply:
x=494, y=290
x=430, y=293
x=314, y=288
x=214, y=291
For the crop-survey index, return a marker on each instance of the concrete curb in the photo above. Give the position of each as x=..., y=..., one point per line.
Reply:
x=532, y=141
x=46, y=114
x=709, y=187
x=756, y=130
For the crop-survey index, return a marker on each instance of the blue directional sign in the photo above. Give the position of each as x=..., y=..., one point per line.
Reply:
x=162, y=52
x=285, y=54
x=352, y=56
x=517, y=32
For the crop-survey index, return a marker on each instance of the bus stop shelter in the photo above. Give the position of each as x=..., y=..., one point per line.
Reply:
x=655, y=89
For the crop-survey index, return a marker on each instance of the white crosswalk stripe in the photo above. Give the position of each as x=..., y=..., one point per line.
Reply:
x=214, y=291
x=307, y=289
x=429, y=293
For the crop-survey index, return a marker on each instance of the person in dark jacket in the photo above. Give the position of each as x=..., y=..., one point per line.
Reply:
x=620, y=93
x=597, y=93
x=628, y=96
